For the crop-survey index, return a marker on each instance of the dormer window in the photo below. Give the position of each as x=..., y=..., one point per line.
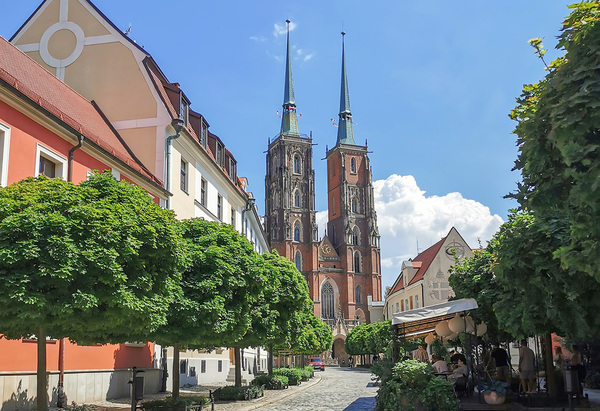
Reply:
x=219, y=155
x=184, y=110
x=232, y=167
x=203, y=133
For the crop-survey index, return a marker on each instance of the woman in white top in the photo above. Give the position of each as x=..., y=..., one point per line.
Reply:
x=439, y=365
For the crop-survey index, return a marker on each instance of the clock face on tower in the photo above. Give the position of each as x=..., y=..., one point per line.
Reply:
x=458, y=248
x=325, y=249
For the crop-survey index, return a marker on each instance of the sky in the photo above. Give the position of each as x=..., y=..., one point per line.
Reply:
x=431, y=85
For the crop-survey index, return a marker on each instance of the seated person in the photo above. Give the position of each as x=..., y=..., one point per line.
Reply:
x=439, y=365
x=460, y=371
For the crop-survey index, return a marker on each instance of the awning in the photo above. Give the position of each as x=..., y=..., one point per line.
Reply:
x=415, y=322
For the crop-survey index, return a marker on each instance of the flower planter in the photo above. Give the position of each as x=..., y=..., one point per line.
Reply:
x=492, y=398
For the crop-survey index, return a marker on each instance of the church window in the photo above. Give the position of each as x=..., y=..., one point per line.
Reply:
x=354, y=206
x=356, y=262
x=355, y=236
x=296, y=199
x=298, y=260
x=353, y=165
x=357, y=295
x=296, y=232
x=296, y=164
x=327, y=302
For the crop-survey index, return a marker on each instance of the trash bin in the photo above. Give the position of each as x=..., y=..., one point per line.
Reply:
x=139, y=387
x=571, y=378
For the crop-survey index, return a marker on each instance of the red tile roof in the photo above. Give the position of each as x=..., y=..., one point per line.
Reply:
x=422, y=262
x=45, y=90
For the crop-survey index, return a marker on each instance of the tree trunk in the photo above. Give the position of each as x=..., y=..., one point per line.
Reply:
x=550, y=371
x=270, y=360
x=238, y=366
x=42, y=391
x=176, y=371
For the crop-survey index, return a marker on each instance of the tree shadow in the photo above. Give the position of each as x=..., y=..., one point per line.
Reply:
x=362, y=404
x=19, y=400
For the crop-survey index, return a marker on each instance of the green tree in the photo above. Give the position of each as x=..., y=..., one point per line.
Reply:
x=96, y=263
x=559, y=141
x=284, y=295
x=309, y=335
x=474, y=278
x=371, y=338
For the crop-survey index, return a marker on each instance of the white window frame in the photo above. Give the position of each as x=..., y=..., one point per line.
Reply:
x=4, y=153
x=184, y=175
x=60, y=161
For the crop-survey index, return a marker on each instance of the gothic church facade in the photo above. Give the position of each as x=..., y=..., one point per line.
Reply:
x=343, y=268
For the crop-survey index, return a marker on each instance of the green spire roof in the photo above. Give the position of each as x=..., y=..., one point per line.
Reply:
x=345, y=134
x=289, y=121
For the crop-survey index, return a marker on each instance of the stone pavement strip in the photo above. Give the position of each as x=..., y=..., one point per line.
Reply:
x=335, y=389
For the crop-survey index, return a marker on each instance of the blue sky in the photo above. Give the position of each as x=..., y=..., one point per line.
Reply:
x=431, y=85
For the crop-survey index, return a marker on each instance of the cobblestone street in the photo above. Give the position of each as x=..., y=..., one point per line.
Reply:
x=338, y=389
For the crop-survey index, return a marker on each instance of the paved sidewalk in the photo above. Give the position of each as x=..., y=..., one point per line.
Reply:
x=271, y=396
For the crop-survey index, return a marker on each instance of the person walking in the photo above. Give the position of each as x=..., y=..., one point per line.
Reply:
x=502, y=363
x=527, y=367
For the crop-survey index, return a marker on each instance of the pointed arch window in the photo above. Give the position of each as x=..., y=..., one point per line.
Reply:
x=355, y=236
x=297, y=232
x=297, y=164
x=357, y=298
x=357, y=262
x=354, y=205
x=327, y=302
x=353, y=165
x=296, y=198
x=298, y=260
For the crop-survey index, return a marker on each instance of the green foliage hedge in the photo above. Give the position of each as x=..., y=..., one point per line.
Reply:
x=231, y=393
x=271, y=382
x=294, y=375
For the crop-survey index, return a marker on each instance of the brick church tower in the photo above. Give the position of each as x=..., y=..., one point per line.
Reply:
x=343, y=268
x=290, y=220
x=352, y=226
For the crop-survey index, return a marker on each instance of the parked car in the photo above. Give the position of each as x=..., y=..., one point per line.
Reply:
x=317, y=364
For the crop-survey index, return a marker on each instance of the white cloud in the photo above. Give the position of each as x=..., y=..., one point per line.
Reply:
x=258, y=39
x=303, y=55
x=406, y=216
x=280, y=29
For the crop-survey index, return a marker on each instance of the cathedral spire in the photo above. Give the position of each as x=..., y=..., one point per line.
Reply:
x=289, y=121
x=345, y=134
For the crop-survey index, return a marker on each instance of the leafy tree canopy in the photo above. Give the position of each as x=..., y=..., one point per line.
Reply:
x=223, y=280
x=559, y=141
x=309, y=335
x=369, y=338
x=95, y=262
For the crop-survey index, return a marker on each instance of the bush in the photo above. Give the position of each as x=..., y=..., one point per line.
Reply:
x=271, y=382
x=231, y=393
x=170, y=404
x=294, y=375
x=411, y=383
x=307, y=373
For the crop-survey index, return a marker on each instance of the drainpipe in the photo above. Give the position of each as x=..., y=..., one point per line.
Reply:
x=60, y=402
x=177, y=124
x=70, y=164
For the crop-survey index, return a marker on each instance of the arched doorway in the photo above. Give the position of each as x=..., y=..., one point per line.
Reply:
x=339, y=352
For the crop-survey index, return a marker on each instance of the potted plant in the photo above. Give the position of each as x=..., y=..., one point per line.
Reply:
x=494, y=391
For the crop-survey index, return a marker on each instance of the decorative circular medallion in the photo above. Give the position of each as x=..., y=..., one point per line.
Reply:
x=458, y=248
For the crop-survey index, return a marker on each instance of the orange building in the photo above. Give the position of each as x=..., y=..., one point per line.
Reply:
x=48, y=128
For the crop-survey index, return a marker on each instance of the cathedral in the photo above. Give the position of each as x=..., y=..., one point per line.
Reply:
x=343, y=268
